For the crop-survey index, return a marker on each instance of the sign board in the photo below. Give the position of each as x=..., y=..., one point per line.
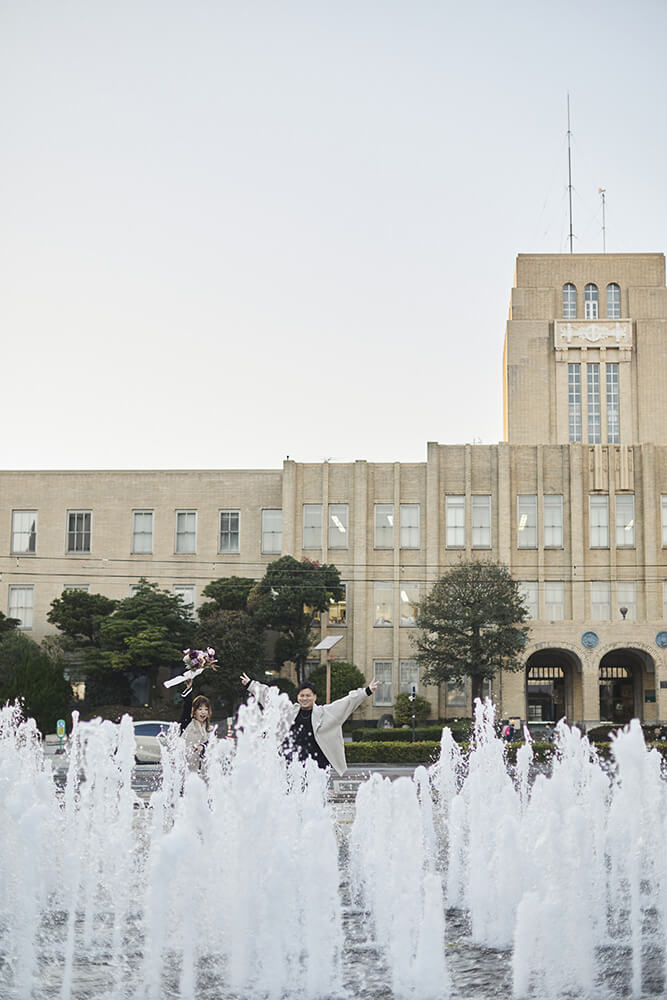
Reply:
x=328, y=642
x=60, y=729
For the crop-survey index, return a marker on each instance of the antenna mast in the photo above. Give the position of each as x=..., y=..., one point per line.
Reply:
x=569, y=169
x=602, y=192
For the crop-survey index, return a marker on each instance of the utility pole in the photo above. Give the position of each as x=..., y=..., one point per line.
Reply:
x=569, y=169
x=602, y=192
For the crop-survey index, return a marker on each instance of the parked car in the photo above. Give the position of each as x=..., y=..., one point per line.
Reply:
x=146, y=736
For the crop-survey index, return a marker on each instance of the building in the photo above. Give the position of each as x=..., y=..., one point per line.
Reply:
x=574, y=501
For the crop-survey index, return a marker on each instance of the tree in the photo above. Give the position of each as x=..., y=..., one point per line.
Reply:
x=403, y=708
x=145, y=632
x=289, y=598
x=471, y=625
x=79, y=615
x=237, y=634
x=8, y=624
x=345, y=677
x=34, y=678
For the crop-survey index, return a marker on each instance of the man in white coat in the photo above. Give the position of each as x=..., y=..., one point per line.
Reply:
x=317, y=730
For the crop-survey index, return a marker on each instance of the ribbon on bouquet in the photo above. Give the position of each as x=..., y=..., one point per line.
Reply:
x=197, y=660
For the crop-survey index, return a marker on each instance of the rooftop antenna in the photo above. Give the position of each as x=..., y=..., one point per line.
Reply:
x=569, y=169
x=602, y=192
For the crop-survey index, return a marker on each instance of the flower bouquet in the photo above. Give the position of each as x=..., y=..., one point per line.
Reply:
x=196, y=660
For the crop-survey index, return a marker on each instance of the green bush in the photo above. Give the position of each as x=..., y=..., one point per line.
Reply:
x=403, y=709
x=40, y=685
x=345, y=677
x=429, y=733
x=424, y=752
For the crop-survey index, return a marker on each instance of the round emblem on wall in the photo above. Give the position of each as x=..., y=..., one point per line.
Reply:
x=590, y=639
x=661, y=640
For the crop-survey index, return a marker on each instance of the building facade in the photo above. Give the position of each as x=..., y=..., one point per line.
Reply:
x=574, y=502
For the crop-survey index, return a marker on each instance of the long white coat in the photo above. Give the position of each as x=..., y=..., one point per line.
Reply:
x=327, y=721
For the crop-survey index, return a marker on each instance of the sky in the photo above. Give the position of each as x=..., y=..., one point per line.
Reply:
x=236, y=231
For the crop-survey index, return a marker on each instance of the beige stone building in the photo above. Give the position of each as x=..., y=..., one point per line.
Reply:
x=574, y=501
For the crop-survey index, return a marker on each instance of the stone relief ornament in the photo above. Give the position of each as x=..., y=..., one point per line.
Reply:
x=601, y=333
x=661, y=640
x=590, y=640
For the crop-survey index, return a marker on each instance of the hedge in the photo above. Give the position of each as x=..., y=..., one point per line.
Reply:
x=428, y=751
x=460, y=730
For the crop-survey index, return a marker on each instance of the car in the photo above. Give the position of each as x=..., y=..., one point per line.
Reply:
x=146, y=736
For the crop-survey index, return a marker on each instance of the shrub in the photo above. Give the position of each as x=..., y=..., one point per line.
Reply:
x=40, y=685
x=403, y=708
x=429, y=733
x=345, y=677
x=378, y=752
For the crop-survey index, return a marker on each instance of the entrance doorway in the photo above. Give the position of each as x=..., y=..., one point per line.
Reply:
x=545, y=694
x=617, y=694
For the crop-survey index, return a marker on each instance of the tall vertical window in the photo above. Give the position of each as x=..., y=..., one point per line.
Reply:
x=599, y=521
x=272, y=531
x=78, y=530
x=613, y=414
x=613, y=301
x=408, y=674
x=553, y=521
x=142, y=531
x=529, y=593
x=481, y=522
x=591, y=302
x=383, y=600
x=574, y=401
x=186, y=531
x=409, y=606
x=625, y=521
x=338, y=525
x=312, y=526
x=664, y=520
x=21, y=604
x=24, y=532
x=569, y=301
x=186, y=592
x=526, y=528
x=409, y=529
x=455, y=517
x=626, y=595
x=554, y=600
x=600, y=600
x=384, y=526
x=593, y=383
x=383, y=671
x=230, y=531
x=338, y=609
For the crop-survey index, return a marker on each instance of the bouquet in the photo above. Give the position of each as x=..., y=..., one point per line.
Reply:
x=198, y=659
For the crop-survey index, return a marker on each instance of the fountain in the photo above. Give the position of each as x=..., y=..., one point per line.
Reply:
x=472, y=879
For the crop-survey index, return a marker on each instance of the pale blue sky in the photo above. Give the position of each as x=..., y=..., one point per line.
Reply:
x=236, y=231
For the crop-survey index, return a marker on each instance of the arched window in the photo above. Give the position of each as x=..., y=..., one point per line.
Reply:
x=613, y=301
x=591, y=302
x=569, y=301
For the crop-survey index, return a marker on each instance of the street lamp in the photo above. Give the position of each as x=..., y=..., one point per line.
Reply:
x=624, y=612
x=328, y=643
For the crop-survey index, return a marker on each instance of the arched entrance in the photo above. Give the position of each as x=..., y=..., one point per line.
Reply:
x=550, y=683
x=622, y=685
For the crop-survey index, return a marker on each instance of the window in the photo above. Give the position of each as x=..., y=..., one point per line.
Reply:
x=456, y=694
x=85, y=587
x=593, y=383
x=455, y=517
x=186, y=531
x=600, y=600
x=481, y=522
x=78, y=530
x=383, y=598
x=529, y=593
x=664, y=520
x=569, y=301
x=626, y=595
x=21, y=602
x=527, y=522
x=408, y=674
x=383, y=671
x=384, y=526
x=338, y=525
x=554, y=600
x=613, y=415
x=230, y=531
x=613, y=301
x=553, y=521
x=599, y=522
x=574, y=401
x=409, y=526
x=24, y=532
x=272, y=531
x=591, y=302
x=186, y=592
x=142, y=531
x=338, y=609
x=409, y=605
x=312, y=526
x=625, y=521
